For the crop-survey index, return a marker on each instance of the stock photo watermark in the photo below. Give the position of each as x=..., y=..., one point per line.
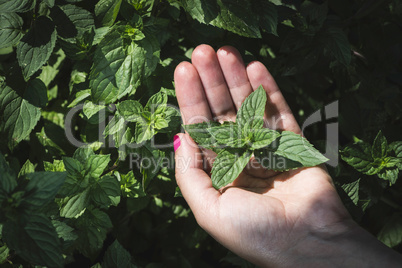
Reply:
x=327, y=115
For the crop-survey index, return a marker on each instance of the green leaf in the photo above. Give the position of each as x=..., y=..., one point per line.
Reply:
x=236, y=16
x=56, y=166
x=119, y=67
x=396, y=146
x=202, y=10
x=200, y=134
x=93, y=112
x=92, y=228
x=36, y=46
x=359, y=156
x=117, y=256
x=391, y=232
x=131, y=110
x=8, y=181
x=27, y=168
x=96, y=164
x=267, y=16
x=380, y=146
x=115, y=125
x=227, y=134
x=106, y=192
x=16, y=5
x=130, y=186
x=106, y=11
x=338, y=45
x=34, y=239
x=64, y=231
x=36, y=93
x=72, y=21
x=42, y=188
x=19, y=116
x=227, y=167
x=156, y=103
x=269, y=160
x=10, y=29
x=73, y=167
x=296, y=148
x=390, y=175
x=144, y=131
x=76, y=205
x=4, y=254
x=263, y=137
x=352, y=190
x=250, y=116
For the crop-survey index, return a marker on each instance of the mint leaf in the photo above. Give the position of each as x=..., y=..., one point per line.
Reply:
x=19, y=116
x=359, y=156
x=16, y=6
x=64, y=231
x=75, y=205
x=36, y=93
x=106, y=192
x=263, y=137
x=8, y=181
x=236, y=16
x=396, y=146
x=200, y=134
x=391, y=232
x=131, y=110
x=130, y=186
x=10, y=29
x=119, y=66
x=294, y=147
x=380, y=146
x=352, y=190
x=106, y=11
x=228, y=134
x=27, y=168
x=227, y=167
x=92, y=228
x=96, y=164
x=390, y=175
x=42, y=188
x=267, y=16
x=117, y=256
x=269, y=160
x=156, y=103
x=338, y=45
x=34, y=239
x=250, y=116
x=36, y=46
x=71, y=21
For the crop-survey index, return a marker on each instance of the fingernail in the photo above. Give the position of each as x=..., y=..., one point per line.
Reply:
x=176, y=142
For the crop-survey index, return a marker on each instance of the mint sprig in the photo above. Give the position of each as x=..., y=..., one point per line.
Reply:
x=236, y=142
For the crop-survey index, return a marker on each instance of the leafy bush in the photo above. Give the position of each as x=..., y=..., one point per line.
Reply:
x=98, y=75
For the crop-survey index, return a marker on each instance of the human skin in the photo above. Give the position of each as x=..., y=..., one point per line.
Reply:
x=288, y=219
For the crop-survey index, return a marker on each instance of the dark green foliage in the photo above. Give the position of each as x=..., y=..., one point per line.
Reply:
x=114, y=60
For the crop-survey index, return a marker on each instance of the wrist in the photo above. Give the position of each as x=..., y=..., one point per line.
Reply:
x=345, y=244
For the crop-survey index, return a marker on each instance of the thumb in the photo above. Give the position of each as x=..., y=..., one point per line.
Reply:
x=194, y=182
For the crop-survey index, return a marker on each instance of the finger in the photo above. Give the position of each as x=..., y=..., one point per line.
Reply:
x=194, y=183
x=235, y=74
x=217, y=93
x=190, y=95
x=278, y=113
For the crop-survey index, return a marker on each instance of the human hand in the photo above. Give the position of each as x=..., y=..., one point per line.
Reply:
x=268, y=218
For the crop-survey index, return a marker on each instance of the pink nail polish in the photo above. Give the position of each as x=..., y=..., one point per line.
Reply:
x=176, y=142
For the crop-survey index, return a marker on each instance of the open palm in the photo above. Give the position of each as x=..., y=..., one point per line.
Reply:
x=262, y=213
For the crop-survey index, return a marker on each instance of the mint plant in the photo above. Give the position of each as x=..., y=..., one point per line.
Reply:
x=102, y=71
x=236, y=142
x=381, y=159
